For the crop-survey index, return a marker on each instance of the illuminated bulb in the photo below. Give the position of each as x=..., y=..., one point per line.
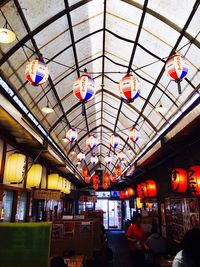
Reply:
x=7, y=36
x=72, y=152
x=161, y=109
x=47, y=109
x=64, y=139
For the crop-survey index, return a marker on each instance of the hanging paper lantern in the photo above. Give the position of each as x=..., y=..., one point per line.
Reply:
x=81, y=156
x=114, y=141
x=66, y=189
x=105, y=186
x=126, y=194
x=84, y=172
x=15, y=168
x=142, y=190
x=37, y=72
x=94, y=160
x=129, y=87
x=87, y=179
x=84, y=89
x=53, y=181
x=151, y=189
x=121, y=194
x=71, y=135
x=179, y=180
x=95, y=179
x=120, y=156
x=130, y=192
x=139, y=203
x=113, y=177
x=34, y=175
x=194, y=180
x=91, y=141
x=95, y=186
x=118, y=170
x=108, y=159
x=106, y=177
x=134, y=135
x=176, y=68
x=60, y=183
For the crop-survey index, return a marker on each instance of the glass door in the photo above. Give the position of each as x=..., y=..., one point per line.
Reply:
x=102, y=204
x=115, y=215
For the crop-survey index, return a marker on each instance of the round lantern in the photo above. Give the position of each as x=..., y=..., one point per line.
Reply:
x=53, y=181
x=66, y=186
x=120, y=156
x=34, y=175
x=121, y=194
x=84, y=172
x=130, y=192
x=179, y=180
x=105, y=186
x=129, y=87
x=94, y=160
x=126, y=194
x=15, y=168
x=81, y=156
x=118, y=170
x=151, y=190
x=134, y=135
x=37, y=72
x=176, y=68
x=60, y=183
x=95, y=186
x=108, y=159
x=114, y=141
x=106, y=177
x=113, y=177
x=87, y=179
x=142, y=190
x=95, y=179
x=71, y=135
x=84, y=89
x=91, y=141
x=194, y=180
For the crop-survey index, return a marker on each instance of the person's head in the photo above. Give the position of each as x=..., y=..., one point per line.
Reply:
x=137, y=218
x=190, y=244
x=192, y=205
x=57, y=261
x=193, y=220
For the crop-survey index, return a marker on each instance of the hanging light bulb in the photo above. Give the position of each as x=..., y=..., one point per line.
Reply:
x=7, y=36
x=47, y=109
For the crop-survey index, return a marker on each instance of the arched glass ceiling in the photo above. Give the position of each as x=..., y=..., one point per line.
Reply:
x=108, y=38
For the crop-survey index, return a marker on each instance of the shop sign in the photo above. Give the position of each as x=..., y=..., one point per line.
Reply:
x=47, y=194
x=88, y=199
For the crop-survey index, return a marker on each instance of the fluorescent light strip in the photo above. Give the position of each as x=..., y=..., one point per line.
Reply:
x=11, y=93
x=184, y=108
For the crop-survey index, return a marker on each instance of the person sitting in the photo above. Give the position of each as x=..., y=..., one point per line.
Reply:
x=189, y=256
x=57, y=261
x=156, y=243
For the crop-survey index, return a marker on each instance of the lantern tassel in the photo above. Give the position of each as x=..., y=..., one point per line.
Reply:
x=179, y=87
x=83, y=109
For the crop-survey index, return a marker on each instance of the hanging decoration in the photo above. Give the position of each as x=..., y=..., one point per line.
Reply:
x=94, y=160
x=95, y=186
x=34, y=175
x=129, y=87
x=118, y=170
x=141, y=190
x=134, y=135
x=53, y=181
x=7, y=36
x=95, y=180
x=179, y=180
x=151, y=189
x=114, y=141
x=106, y=180
x=121, y=194
x=84, y=89
x=71, y=135
x=60, y=183
x=15, y=168
x=84, y=171
x=87, y=179
x=91, y=141
x=113, y=177
x=130, y=192
x=194, y=180
x=81, y=156
x=37, y=72
x=108, y=159
x=176, y=68
x=66, y=189
x=120, y=156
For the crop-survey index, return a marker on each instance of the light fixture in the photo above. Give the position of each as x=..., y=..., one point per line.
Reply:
x=7, y=36
x=65, y=140
x=47, y=109
x=161, y=109
x=73, y=152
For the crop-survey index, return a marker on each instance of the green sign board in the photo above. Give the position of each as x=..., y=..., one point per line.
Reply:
x=24, y=244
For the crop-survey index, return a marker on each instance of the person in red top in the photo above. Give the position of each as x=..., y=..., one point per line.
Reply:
x=136, y=238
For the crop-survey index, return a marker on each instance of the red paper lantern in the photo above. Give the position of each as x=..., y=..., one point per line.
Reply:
x=194, y=180
x=106, y=177
x=179, y=180
x=126, y=194
x=121, y=194
x=95, y=179
x=130, y=192
x=118, y=170
x=141, y=190
x=95, y=186
x=84, y=172
x=151, y=188
x=129, y=87
x=105, y=186
x=113, y=177
x=87, y=179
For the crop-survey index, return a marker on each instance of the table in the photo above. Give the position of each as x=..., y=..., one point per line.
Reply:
x=76, y=261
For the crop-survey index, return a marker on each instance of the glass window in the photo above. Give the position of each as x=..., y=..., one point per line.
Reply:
x=7, y=205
